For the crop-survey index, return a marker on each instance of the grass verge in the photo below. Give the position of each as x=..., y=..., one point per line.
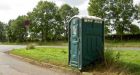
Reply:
x=129, y=59
x=57, y=56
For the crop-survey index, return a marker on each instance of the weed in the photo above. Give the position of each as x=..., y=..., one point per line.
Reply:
x=30, y=46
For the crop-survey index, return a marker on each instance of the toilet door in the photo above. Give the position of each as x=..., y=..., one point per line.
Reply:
x=74, y=42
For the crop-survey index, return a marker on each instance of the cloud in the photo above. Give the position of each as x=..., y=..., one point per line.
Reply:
x=83, y=7
x=58, y=2
x=4, y=7
x=75, y=2
x=136, y=1
x=81, y=4
x=11, y=9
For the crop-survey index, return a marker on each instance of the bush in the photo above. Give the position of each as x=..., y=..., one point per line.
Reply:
x=30, y=46
x=111, y=58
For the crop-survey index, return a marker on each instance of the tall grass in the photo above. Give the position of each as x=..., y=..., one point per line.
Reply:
x=112, y=63
x=111, y=57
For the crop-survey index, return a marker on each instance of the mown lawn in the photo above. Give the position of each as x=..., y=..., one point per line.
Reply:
x=59, y=56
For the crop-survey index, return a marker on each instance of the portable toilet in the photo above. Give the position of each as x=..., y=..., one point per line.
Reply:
x=86, y=40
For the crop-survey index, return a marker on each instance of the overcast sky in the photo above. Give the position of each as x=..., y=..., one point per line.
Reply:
x=11, y=9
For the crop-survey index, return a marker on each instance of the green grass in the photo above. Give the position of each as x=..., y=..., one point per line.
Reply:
x=108, y=43
x=130, y=60
x=57, y=56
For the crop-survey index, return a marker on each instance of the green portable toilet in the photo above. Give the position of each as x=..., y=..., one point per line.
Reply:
x=86, y=40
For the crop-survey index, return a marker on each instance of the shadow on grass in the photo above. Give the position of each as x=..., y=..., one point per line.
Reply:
x=133, y=69
x=123, y=68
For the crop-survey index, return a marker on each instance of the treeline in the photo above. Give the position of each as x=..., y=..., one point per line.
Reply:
x=125, y=37
x=2, y=32
x=46, y=22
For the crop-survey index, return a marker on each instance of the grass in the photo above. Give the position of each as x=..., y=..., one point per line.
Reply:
x=49, y=43
x=57, y=56
x=108, y=43
x=130, y=60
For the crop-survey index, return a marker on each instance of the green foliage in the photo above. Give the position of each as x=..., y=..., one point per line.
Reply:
x=16, y=30
x=47, y=23
x=43, y=20
x=134, y=29
x=138, y=9
x=66, y=12
x=2, y=31
x=95, y=8
x=47, y=20
x=118, y=14
x=111, y=57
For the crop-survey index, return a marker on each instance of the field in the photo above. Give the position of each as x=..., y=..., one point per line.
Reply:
x=130, y=60
x=130, y=43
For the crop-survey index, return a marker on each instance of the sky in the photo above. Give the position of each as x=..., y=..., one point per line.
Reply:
x=11, y=9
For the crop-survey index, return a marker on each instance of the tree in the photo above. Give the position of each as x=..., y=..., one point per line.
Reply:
x=43, y=20
x=122, y=14
x=134, y=29
x=96, y=9
x=9, y=31
x=138, y=6
x=2, y=31
x=66, y=12
x=138, y=9
x=118, y=14
x=16, y=30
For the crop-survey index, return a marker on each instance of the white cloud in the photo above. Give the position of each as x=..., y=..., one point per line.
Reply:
x=11, y=9
x=83, y=8
x=136, y=23
x=4, y=7
x=136, y=1
x=58, y=2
